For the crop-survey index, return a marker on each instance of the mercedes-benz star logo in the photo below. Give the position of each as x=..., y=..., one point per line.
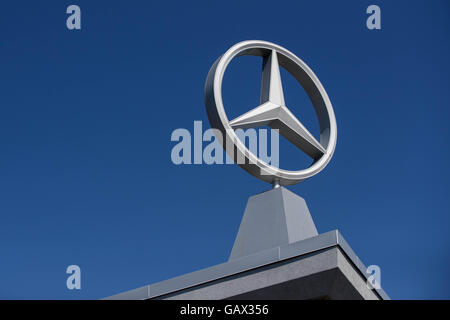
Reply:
x=273, y=112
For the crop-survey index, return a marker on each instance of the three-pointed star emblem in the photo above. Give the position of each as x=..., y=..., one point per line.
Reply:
x=273, y=112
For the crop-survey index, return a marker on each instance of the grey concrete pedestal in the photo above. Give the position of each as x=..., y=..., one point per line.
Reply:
x=271, y=219
x=277, y=254
x=322, y=267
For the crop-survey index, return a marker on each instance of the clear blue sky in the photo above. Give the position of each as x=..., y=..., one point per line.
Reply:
x=86, y=117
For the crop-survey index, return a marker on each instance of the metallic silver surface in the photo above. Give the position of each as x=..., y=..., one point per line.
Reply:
x=273, y=112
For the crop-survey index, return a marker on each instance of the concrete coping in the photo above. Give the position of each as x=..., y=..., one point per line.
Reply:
x=320, y=242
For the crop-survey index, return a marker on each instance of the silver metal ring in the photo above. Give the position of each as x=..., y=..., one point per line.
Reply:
x=305, y=76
